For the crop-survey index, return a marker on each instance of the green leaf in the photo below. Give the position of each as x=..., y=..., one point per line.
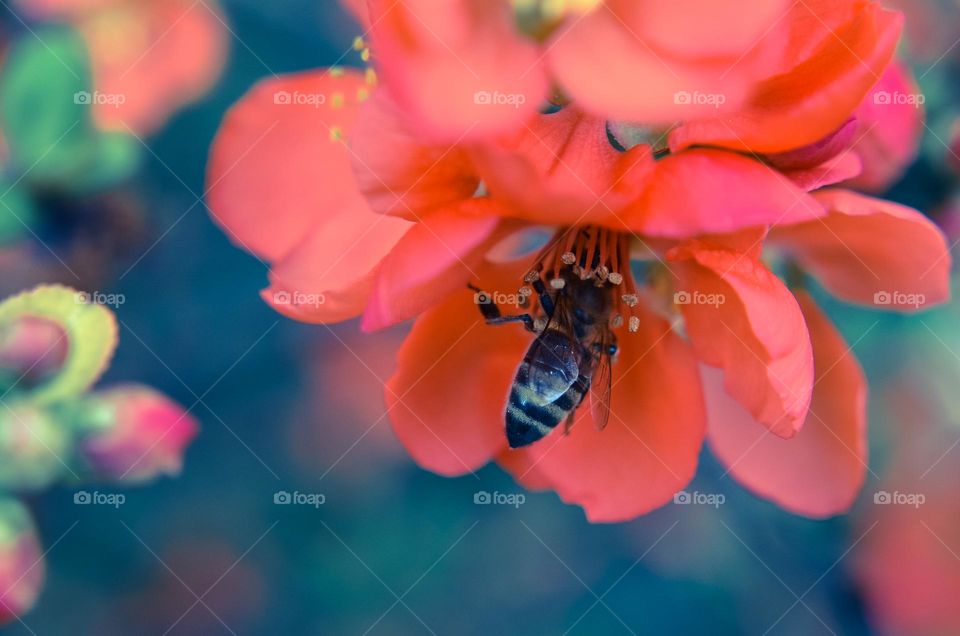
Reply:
x=91, y=332
x=46, y=123
x=116, y=157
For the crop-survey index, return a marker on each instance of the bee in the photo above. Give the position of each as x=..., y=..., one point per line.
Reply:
x=570, y=357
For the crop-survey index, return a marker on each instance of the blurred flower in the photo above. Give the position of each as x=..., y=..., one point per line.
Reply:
x=480, y=67
x=149, y=57
x=142, y=434
x=932, y=30
x=22, y=569
x=906, y=560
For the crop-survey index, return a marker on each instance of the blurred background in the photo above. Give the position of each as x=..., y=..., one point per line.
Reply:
x=370, y=542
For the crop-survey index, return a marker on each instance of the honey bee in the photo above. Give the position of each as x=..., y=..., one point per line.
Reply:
x=570, y=357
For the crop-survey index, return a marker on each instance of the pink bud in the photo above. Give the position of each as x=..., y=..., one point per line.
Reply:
x=22, y=569
x=32, y=348
x=145, y=436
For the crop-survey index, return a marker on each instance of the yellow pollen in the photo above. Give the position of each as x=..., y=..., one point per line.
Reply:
x=337, y=100
x=365, y=55
x=363, y=94
x=336, y=133
x=336, y=71
x=371, y=77
x=358, y=43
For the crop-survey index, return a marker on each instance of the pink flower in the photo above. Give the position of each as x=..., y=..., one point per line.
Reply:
x=150, y=56
x=905, y=559
x=22, y=569
x=145, y=435
x=367, y=218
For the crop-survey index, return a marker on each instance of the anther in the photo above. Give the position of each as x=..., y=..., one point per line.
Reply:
x=634, y=324
x=615, y=278
x=531, y=277
x=526, y=291
x=603, y=272
x=558, y=283
x=568, y=258
x=617, y=321
x=630, y=300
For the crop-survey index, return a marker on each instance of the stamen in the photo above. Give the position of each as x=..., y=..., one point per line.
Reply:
x=593, y=253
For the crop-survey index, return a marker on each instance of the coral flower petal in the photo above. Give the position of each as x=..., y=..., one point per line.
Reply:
x=330, y=276
x=820, y=471
x=305, y=214
x=714, y=191
x=265, y=205
x=872, y=252
x=843, y=167
x=808, y=102
x=448, y=396
x=741, y=318
x=561, y=168
x=650, y=447
x=458, y=66
x=637, y=60
x=437, y=256
x=890, y=122
x=397, y=171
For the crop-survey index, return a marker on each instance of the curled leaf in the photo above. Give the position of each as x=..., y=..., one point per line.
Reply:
x=91, y=334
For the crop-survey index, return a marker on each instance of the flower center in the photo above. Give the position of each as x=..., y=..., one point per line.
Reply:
x=540, y=18
x=578, y=255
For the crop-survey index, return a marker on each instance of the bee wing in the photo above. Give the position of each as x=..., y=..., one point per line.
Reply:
x=600, y=388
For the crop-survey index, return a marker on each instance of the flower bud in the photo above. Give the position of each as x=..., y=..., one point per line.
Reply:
x=31, y=349
x=22, y=569
x=140, y=434
x=33, y=448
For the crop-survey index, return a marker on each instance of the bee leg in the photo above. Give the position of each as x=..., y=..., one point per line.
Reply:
x=546, y=302
x=526, y=319
x=568, y=423
x=491, y=312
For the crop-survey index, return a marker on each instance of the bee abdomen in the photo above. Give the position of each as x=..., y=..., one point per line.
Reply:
x=528, y=421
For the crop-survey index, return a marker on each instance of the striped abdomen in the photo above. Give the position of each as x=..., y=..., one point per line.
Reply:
x=528, y=417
